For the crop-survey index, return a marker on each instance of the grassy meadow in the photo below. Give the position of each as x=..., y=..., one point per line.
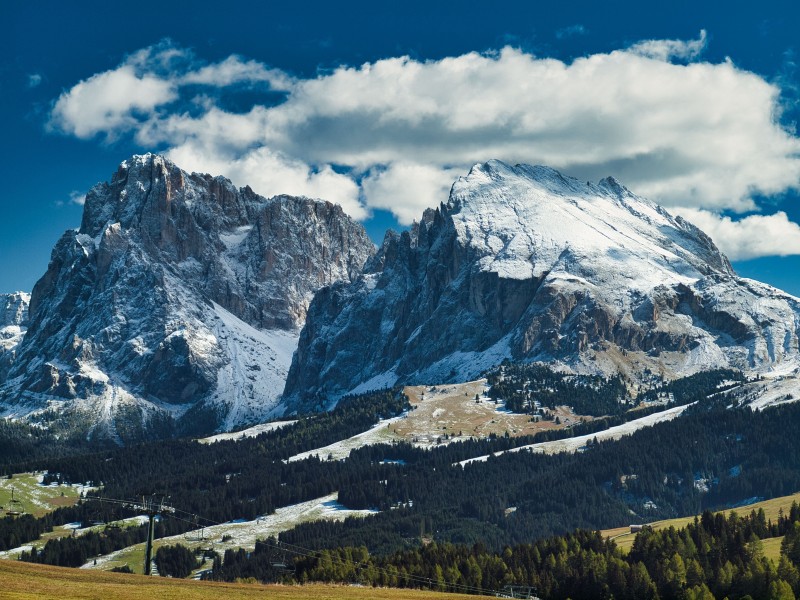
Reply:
x=624, y=538
x=23, y=581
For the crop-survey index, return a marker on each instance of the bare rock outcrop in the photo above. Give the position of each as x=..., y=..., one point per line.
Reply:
x=176, y=305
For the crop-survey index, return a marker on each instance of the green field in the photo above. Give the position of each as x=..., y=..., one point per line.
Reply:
x=624, y=538
x=35, y=499
x=772, y=548
x=23, y=581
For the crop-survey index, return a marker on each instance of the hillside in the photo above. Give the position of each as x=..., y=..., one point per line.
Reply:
x=23, y=581
x=33, y=498
x=772, y=509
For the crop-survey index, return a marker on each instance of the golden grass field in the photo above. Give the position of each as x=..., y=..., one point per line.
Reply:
x=451, y=409
x=23, y=581
x=772, y=548
x=624, y=538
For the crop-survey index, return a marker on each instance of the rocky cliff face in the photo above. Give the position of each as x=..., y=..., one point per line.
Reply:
x=527, y=264
x=177, y=304
x=13, y=325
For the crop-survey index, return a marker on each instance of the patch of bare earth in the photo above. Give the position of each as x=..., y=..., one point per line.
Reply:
x=61, y=501
x=464, y=410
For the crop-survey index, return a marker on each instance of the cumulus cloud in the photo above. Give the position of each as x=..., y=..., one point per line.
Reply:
x=680, y=131
x=215, y=129
x=698, y=134
x=78, y=198
x=271, y=173
x=144, y=85
x=750, y=237
x=75, y=197
x=109, y=102
x=407, y=189
x=236, y=70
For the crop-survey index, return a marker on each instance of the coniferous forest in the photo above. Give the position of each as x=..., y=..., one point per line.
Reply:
x=514, y=519
x=714, y=557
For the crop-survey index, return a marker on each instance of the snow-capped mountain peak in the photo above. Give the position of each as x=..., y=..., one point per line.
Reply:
x=528, y=221
x=525, y=263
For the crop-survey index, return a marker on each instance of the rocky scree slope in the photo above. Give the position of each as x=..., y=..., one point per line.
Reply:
x=176, y=305
x=526, y=264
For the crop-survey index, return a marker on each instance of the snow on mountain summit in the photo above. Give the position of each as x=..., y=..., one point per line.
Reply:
x=525, y=263
x=531, y=220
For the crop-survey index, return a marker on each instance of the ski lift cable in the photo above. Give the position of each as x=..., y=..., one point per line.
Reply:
x=300, y=550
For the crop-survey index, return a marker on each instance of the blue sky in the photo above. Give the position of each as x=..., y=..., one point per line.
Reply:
x=379, y=105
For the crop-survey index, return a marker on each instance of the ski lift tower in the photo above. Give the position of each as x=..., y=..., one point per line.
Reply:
x=152, y=509
x=518, y=591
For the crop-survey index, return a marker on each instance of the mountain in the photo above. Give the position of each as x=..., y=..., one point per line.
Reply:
x=13, y=324
x=175, y=306
x=524, y=263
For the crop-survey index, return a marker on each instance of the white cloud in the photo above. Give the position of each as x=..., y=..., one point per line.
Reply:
x=699, y=134
x=407, y=189
x=127, y=97
x=235, y=70
x=215, y=129
x=109, y=102
x=270, y=173
x=571, y=31
x=669, y=49
x=696, y=134
x=75, y=197
x=34, y=80
x=162, y=58
x=750, y=237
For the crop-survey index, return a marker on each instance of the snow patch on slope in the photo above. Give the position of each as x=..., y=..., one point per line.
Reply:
x=466, y=366
x=10, y=337
x=13, y=323
x=523, y=219
x=378, y=382
x=775, y=391
x=236, y=237
x=250, y=432
x=252, y=381
x=379, y=434
x=245, y=533
x=573, y=444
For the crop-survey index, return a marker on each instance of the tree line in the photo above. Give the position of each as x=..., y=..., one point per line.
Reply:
x=713, y=557
x=714, y=457
x=522, y=385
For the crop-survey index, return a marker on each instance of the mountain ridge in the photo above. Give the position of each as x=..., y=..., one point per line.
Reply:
x=176, y=305
x=523, y=263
